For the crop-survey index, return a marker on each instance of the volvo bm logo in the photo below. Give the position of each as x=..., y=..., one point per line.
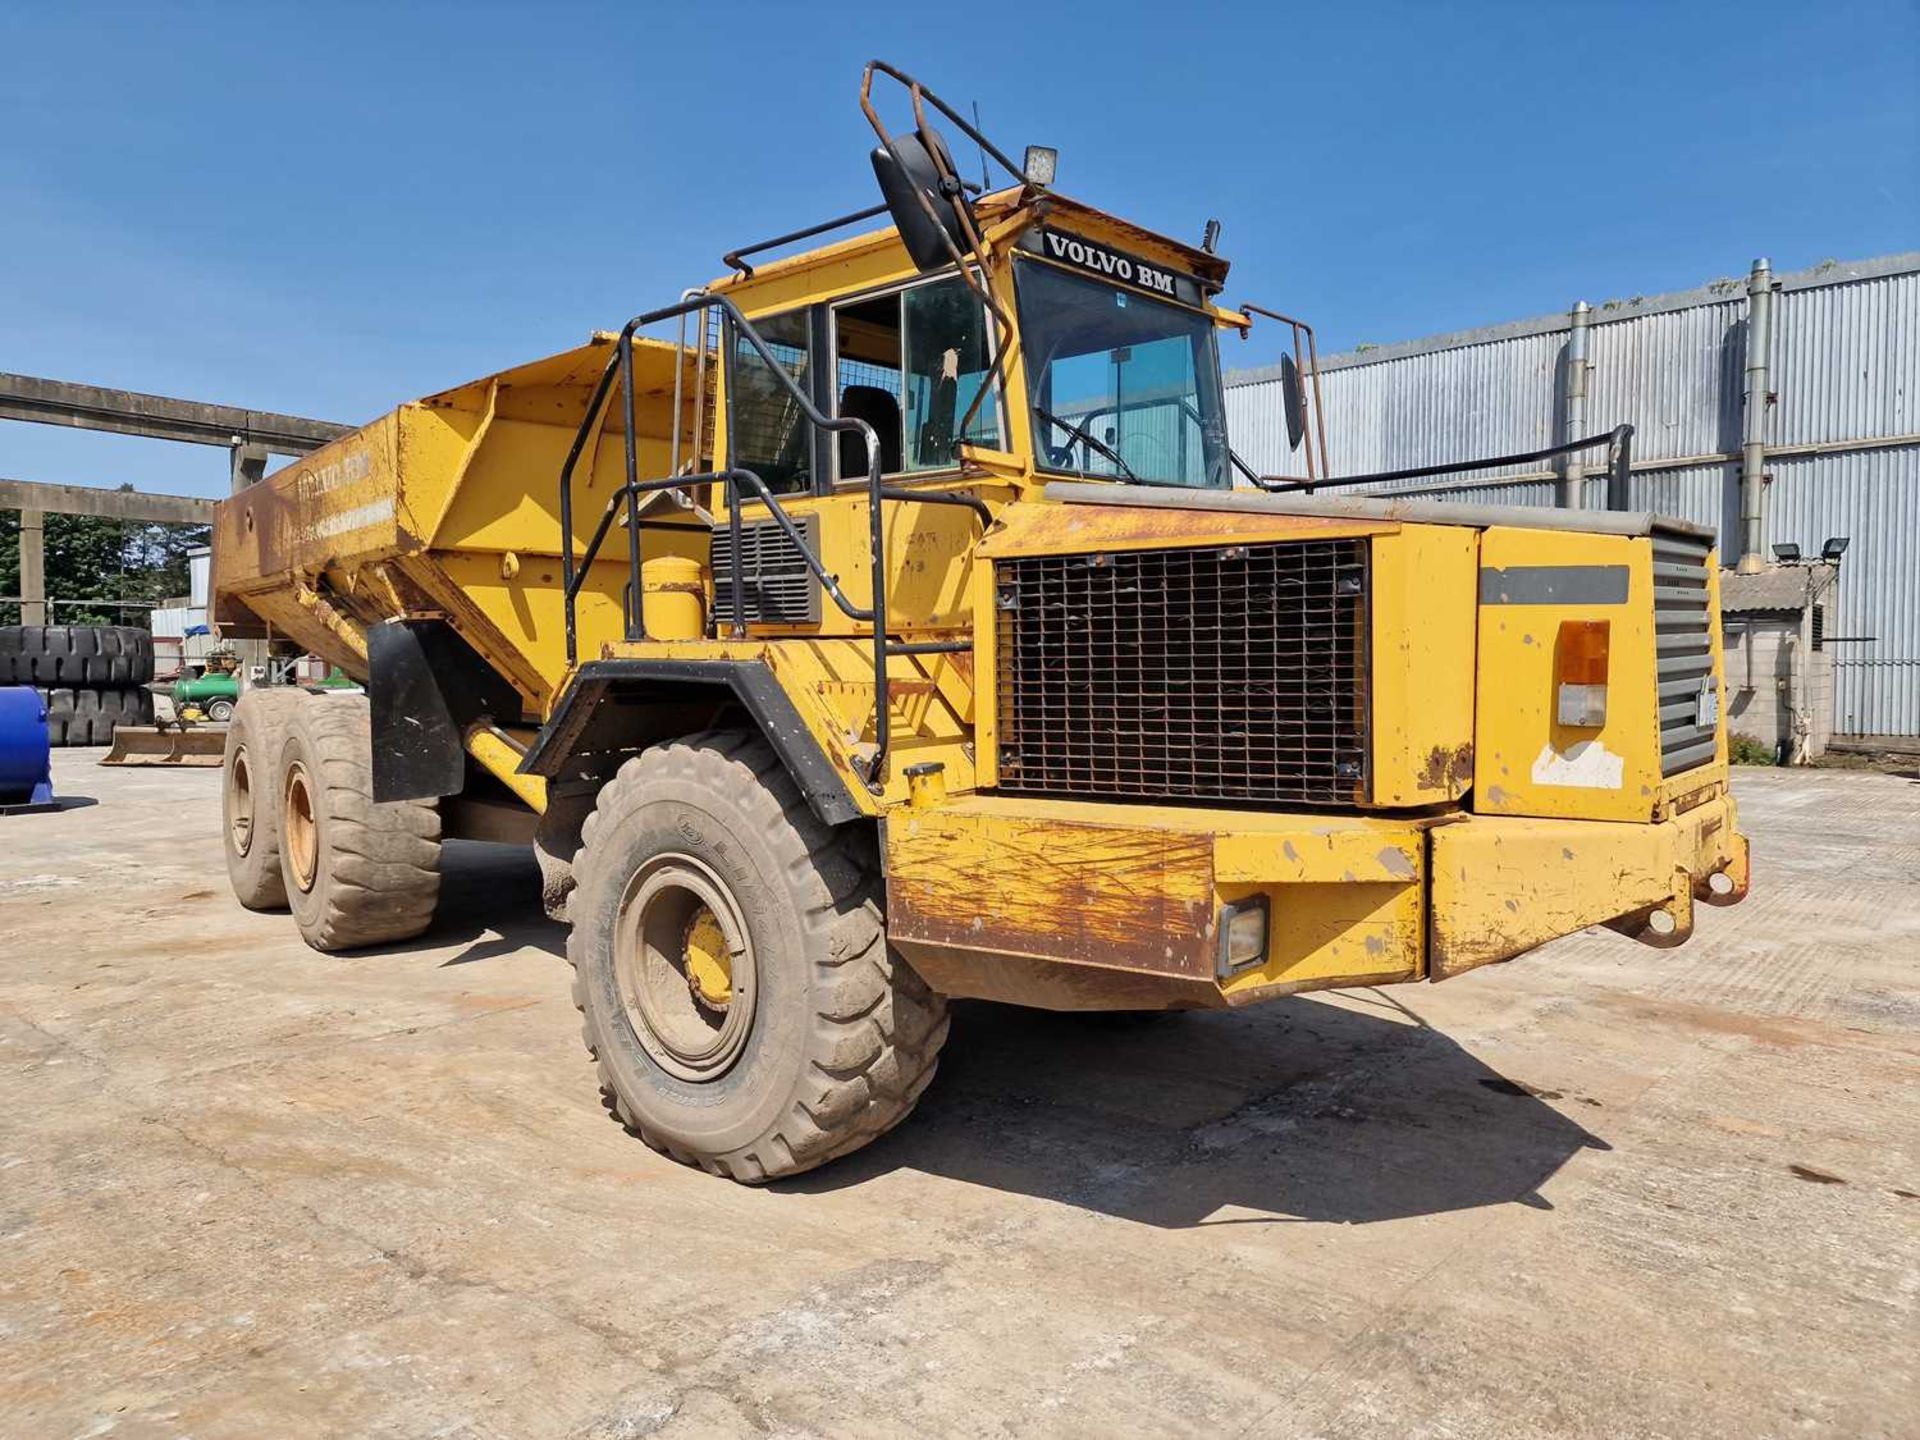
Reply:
x=1072, y=250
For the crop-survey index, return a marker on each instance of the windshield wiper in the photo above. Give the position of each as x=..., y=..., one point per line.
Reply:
x=1100, y=445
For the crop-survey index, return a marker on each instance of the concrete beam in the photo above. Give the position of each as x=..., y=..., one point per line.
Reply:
x=249, y=466
x=33, y=568
x=25, y=495
x=158, y=417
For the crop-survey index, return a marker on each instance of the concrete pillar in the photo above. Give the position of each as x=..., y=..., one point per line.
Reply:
x=249, y=464
x=1759, y=398
x=33, y=568
x=1571, y=485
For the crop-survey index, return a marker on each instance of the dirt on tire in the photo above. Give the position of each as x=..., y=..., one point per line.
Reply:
x=250, y=796
x=845, y=1035
x=355, y=872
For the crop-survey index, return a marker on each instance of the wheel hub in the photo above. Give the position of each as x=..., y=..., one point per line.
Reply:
x=684, y=967
x=707, y=961
x=240, y=804
x=302, y=828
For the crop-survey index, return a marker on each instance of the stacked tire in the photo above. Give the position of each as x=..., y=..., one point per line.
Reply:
x=93, y=678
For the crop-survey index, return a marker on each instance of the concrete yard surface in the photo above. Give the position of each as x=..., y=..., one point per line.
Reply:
x=1605, y=1190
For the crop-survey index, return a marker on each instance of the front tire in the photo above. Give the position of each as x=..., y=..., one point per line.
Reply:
x=730, y=961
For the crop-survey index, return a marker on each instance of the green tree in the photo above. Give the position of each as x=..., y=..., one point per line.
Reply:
x=90, y=558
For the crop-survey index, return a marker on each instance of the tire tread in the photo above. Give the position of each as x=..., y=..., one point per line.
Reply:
x=875, y=1033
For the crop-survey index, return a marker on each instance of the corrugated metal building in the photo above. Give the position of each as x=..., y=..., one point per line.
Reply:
x=1842, y=433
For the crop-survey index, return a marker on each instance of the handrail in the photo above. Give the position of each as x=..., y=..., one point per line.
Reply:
x=955, y=191
x=1619, y=441
x=737, y=259
x=736, y=479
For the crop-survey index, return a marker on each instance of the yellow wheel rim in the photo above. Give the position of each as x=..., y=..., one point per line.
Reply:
x=684, y=968
x=301, y=828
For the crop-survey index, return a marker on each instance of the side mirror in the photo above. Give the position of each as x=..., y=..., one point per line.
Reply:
x=925, y=169
x=1293, y=397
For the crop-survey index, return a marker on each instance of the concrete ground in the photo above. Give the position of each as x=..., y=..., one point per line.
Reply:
x=248, y=1190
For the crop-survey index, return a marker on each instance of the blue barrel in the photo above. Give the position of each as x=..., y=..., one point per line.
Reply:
x=26, y=776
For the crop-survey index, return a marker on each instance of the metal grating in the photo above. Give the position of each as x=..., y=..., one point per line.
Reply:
x=1234, y=673
x=777, y=586
x=1683, y=643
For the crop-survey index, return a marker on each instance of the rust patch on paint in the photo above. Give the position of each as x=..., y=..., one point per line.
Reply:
x=1113, y=897
x=1446, y=769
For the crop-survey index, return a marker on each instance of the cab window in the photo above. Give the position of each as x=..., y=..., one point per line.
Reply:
x=910, y=364
x=768, y=434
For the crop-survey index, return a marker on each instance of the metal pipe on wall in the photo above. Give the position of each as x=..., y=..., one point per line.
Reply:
x=1753, y=451
x=1570, y=485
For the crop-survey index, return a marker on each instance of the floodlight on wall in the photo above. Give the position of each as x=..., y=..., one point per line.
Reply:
x=1786, y=554
x=1835, y=547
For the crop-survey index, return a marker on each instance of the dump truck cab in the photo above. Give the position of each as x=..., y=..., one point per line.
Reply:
x=900, y=625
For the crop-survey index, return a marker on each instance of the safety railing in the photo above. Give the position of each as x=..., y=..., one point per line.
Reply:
x=737, y=480
x=1619, y=443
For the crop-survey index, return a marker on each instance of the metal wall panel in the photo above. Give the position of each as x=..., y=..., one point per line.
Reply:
x=1508, y=492
x=1675, y=376
x=1846, y=361
x=1447, y=405
x=1424, y=410
x=1845, y=370
x=1873, y=498
x=1257, y=427
x=1705, y=494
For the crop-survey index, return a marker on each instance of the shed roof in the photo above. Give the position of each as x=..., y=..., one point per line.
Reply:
x=1778, y=587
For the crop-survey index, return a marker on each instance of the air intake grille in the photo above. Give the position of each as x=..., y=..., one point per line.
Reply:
x=1684, y=645
x=1237, y=673
x=777, y=587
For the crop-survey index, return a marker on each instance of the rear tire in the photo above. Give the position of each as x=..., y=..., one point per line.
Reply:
x=356, y=873
x=250, y=796
x=840, y=1035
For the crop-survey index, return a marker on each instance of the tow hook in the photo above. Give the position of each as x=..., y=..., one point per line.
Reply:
x=1667, y=925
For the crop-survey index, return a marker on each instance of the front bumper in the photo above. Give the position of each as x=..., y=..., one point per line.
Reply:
x=1070, y=905
x=1500, y=887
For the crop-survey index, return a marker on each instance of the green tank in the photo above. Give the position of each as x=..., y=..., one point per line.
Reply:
x=213, y=694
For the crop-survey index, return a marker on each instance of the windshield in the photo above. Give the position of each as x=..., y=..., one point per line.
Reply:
x=1121, y=386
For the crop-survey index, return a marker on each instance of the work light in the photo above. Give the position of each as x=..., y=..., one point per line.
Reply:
x=1243, y=935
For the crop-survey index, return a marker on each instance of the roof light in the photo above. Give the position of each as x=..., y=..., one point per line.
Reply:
x=1039, y=165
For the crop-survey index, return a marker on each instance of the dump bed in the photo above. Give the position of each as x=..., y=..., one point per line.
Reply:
x=448, y=505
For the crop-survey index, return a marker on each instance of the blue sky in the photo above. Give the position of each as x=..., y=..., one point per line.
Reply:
x=327, y=209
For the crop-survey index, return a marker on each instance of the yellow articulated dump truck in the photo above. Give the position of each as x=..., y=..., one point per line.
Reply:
x=893, y=623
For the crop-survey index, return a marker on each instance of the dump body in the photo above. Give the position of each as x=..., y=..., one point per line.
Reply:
x=448, y=507
x=1155, y=710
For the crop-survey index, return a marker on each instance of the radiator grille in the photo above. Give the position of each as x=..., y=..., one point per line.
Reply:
x=1683, y=643
x=1236, y=673
x=777, y=587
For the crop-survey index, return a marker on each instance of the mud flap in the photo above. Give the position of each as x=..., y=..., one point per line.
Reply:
x=425, y=686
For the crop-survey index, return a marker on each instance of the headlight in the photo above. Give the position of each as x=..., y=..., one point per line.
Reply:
x=1243, y=935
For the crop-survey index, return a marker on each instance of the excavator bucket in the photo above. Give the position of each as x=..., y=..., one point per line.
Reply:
x=196, y=746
